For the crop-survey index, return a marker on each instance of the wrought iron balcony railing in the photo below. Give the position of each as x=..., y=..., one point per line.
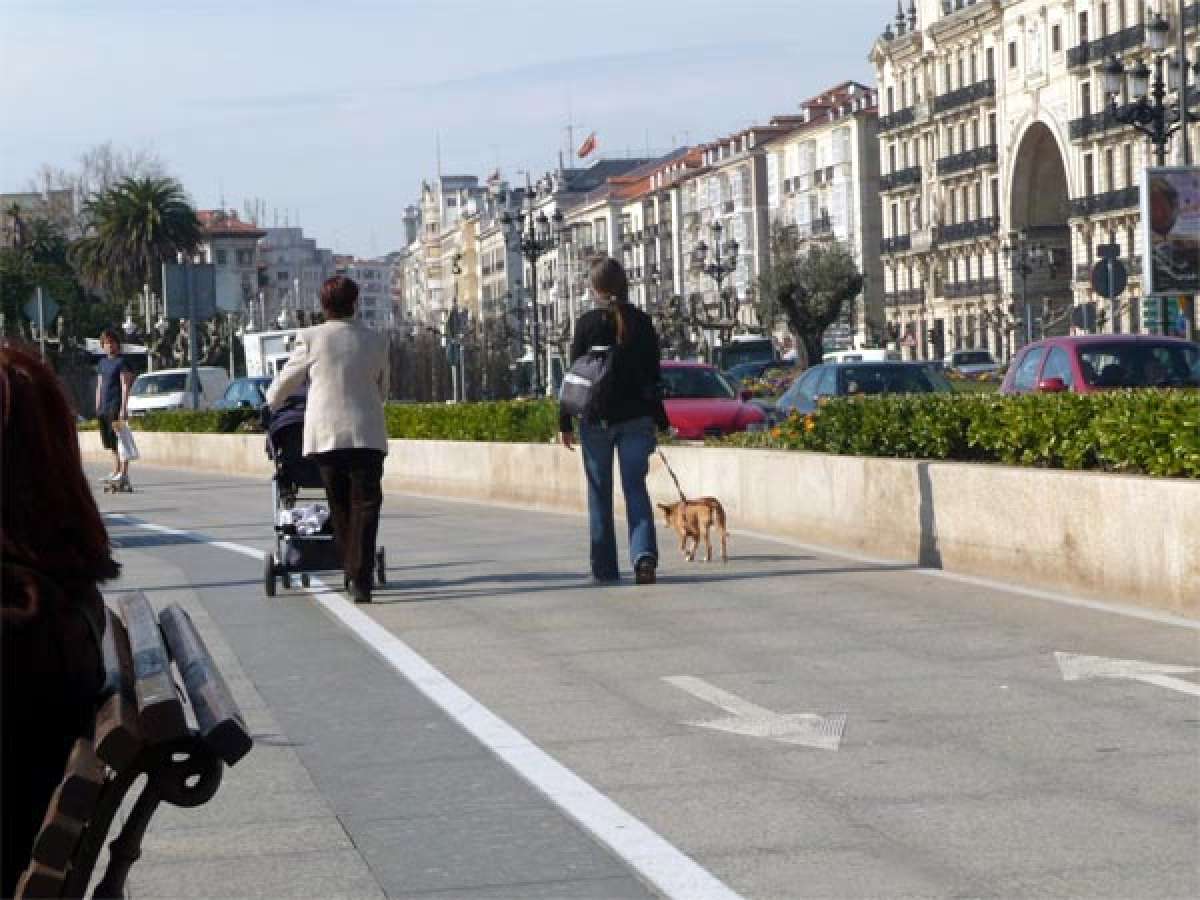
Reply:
x=963, y=96
x=900, y=178
x=1102, y=48
x=976, y=288
x=965, y=231
x=898, y=119
x=986, y=155
x=1095, y=124
x=1109, y=201
x=907, y=297
x=898, y=244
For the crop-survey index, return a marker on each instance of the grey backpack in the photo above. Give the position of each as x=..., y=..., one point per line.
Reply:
x=585, y=384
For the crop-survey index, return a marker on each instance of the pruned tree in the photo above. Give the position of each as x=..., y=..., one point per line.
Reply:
x=808, y=285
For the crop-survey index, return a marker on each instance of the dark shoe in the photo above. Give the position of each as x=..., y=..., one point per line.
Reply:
x=360, y=594
x=607, y=579
x=643, y=572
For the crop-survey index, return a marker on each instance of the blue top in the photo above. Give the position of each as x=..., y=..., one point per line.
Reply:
x=109, y=369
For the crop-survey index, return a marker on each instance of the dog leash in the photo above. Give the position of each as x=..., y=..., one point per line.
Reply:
x=671, y=472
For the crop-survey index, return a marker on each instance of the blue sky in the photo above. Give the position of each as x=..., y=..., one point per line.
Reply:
x=333, y=110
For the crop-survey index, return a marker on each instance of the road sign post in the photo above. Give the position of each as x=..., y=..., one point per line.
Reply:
x=1109, y=278
x=189, y=292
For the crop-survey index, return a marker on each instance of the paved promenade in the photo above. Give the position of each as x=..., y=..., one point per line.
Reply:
x=792, y=724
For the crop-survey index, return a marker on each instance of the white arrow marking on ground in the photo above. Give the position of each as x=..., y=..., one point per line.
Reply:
x=806, y=729
x=1080, y=668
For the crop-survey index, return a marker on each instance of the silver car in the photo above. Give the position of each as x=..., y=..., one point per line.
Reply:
x=970, y=362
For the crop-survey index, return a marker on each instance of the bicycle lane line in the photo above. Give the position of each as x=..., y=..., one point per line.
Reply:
x=654, y=858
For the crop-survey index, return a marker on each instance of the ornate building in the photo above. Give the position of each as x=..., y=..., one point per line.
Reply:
x=1003, y=167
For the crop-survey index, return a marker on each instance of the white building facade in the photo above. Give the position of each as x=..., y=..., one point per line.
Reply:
x=995, y=133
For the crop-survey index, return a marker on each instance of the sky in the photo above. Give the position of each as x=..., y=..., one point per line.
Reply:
x=332, y=113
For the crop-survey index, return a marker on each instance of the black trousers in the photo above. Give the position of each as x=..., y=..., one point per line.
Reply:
x=353, y=486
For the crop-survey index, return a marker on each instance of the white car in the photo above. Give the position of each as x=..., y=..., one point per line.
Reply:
x=171, y=389
x=970, y=362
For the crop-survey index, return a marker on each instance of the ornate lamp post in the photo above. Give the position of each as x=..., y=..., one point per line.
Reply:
x=534, y=236
x=1150, y=112
x=1024, y=258
x=717, y=262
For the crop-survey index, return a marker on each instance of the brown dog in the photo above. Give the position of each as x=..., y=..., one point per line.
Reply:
x=692, y=519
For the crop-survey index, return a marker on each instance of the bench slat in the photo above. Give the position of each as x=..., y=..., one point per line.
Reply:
x=118, y=664
x=160, y=710
x=39, y=881
x=80, y=788
x=217, y=715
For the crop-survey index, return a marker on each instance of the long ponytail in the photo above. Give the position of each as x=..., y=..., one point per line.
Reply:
x=608, y=277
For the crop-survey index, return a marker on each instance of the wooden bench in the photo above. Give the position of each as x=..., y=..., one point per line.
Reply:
x=166, y=713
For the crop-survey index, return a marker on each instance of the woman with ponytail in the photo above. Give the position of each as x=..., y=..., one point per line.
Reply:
x=623, y=420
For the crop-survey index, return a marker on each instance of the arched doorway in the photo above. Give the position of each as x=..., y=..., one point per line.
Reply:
x=1039, y=207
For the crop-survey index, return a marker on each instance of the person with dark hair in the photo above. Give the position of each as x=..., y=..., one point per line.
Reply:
x=55, y=551
x=114, y=378
x=345, y=365
x=624, y=421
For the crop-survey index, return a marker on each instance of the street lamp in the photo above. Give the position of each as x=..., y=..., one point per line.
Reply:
x=717, y=262
x=1024, y=258
x=1149, y=112
x=533, y=236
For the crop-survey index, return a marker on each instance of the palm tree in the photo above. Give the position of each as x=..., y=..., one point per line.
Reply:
x=134, y=227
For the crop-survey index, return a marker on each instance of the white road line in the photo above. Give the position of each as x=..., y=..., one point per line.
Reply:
x=659, y=862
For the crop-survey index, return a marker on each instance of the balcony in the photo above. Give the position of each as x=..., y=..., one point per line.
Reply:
x=1191, y=15
x=964, y=96
x=909, y=297
x=900, y=178
x=899, y=119
x=965, y=231
x=1110, y=201
x=1095, y=124
x=898, y=244
x=1100, y=49
x=986, y=155
x=977, y=288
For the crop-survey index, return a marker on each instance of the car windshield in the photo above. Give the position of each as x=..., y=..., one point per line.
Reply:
x=695, y=384
x=867, y=379
x=739, y=352
x=167, y=383
x=973, y=358
x=1130, y=365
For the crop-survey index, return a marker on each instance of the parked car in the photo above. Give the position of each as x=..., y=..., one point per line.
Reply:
x=747, y=348
x=751, y=371
x=702, y=403
x=866, y=354
x=1088, y=363
x=970, y=362
x=249, y=392
x=172, y=389
x=856, y=379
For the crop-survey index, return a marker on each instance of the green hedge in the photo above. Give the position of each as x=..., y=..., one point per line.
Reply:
x=514, y=421
x=1141, y=432
x=204, y=421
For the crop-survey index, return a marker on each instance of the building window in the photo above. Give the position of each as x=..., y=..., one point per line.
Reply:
x=1085, y=99
x=1083, y=27
x=1089, y=176
x=1012, y=54
x=1127, y=151
x=222, y=257
x=1056, y=39
x=990, y=57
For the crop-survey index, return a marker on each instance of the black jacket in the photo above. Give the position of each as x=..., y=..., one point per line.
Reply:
x=635, y=388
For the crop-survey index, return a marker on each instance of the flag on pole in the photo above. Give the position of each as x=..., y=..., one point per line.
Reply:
x=587, y=146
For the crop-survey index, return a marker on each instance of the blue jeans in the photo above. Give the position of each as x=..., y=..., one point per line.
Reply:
x=633, y=441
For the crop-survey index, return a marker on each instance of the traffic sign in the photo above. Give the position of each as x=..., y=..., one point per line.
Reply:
x=49, y=309
x=1109, y=278
x=199, y=281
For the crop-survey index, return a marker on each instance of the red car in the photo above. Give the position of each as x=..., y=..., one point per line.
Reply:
x=701, y=403
x=1098, y=362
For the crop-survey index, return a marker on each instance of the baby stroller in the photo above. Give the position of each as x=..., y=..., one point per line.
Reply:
x=303, y=536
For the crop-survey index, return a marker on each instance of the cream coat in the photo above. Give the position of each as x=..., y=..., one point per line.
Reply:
x=346, y=366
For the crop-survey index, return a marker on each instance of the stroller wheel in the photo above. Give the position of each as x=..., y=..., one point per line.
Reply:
x=269, y=575
x=304, y=581
x=380, y=568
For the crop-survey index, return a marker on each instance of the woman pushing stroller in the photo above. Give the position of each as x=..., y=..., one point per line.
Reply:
x=346, y=367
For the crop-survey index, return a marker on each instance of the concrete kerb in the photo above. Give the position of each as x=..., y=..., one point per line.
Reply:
x=1093, y=535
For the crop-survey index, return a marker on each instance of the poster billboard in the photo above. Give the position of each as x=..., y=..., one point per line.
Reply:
x=1171, y=230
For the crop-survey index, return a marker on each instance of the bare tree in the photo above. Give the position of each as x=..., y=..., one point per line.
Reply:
x=97, y=169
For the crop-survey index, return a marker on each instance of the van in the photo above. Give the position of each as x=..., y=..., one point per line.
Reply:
x=866, y=354
x=172, y=389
